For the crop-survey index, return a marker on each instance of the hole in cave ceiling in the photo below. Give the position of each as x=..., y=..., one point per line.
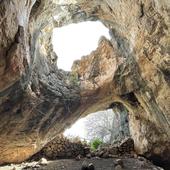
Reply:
x=76, y=40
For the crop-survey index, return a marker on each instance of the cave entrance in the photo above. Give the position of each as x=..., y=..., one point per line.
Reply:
x=73, y=41
x=110, y=126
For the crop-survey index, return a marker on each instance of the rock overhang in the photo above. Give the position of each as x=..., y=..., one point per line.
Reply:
x=48, y=99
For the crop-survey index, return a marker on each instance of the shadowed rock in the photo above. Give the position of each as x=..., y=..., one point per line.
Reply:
x=38, y=101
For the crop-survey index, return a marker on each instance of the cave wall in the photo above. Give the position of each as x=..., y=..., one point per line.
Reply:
x=38, y=101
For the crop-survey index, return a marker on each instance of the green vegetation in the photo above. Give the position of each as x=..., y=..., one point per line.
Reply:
x=74, y=79
x=95, y=144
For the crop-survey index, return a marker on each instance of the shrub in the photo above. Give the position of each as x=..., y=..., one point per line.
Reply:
x=95, y=144
x=74, y=80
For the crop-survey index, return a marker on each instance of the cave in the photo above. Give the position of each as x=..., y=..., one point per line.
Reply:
x=109, y=126
x=38, y=101
x=74, y=41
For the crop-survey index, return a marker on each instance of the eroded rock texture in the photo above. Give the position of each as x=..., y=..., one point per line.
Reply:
x=38, y=101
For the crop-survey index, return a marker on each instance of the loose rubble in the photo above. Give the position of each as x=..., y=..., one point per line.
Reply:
x=61, y=147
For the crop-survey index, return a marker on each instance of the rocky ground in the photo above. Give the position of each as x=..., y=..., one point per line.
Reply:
x=63, y=148
x=130, y=71
x=100, y=164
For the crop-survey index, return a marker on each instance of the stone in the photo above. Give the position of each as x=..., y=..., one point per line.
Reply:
x=43, y=161
x=84, y=166
x=105, y=155
x=38, y=101
x=118, y=167
x=113, y=150
x=78, y=157
x=119, y=162
x=91, y=167
x=141, y=159
x=104, y=164
x=62, y=147
x=92, y=154
x=88, y=155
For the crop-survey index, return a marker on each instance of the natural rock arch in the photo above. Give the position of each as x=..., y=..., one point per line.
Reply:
x=37, y=101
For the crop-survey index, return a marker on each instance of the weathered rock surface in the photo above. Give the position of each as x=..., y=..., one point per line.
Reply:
x=38, y=101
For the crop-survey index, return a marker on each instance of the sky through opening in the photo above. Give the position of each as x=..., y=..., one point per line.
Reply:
x=73, y=41
x=78, y=129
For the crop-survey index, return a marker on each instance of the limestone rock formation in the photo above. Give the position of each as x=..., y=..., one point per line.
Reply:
x=38, y=101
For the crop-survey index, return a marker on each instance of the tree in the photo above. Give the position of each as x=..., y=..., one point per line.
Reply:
x=107, y=126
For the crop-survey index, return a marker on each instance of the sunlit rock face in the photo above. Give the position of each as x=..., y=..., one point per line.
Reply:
x=38, y=101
